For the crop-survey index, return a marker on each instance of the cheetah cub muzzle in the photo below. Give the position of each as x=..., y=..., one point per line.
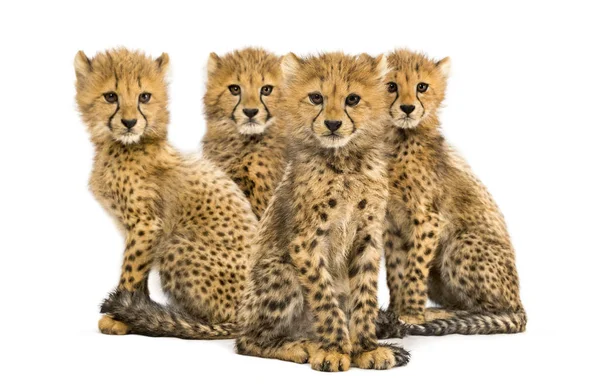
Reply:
x=178, y=213
x=312, y=286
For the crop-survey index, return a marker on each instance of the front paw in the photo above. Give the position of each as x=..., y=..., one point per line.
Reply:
x=329, y=361
x=414, y=319
x=383, y=357
x=107, y=325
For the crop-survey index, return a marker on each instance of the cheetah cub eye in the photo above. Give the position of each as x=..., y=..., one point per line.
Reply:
x=111, y=97
x=145, y=97
x=352, y=100
x=235, y=89
x=266, y=90
x=392, y=87
x=422, y=87
x=316, y=98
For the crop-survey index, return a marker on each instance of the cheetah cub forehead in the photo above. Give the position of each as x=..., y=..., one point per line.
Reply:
x=334, y=98
x=122, y=95
x=243, y=88
x=416, y=87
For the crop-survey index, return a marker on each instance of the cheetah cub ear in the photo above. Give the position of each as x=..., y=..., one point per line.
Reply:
x=290, y=65
x=83, y=65
x=381, y=66
x=378, y=64
x=214, y=63
x=444, y=66
x=162, y=62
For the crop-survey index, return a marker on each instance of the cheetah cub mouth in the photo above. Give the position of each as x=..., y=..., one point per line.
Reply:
x=407, y=122
x=251, y=127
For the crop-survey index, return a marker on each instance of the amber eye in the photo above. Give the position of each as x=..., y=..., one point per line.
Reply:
x=316, y=98
x=145, y=97
x=422, y=87
x=111, y=97
x=352, y=100
x=266, y=90
x=235, y=89
x=392, y=87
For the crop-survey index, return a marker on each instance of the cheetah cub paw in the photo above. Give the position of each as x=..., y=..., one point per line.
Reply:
x=329, y=361
x=109, y=326
x=382, y=358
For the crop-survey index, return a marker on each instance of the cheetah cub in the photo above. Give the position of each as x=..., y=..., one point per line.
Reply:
x=312, y=284
x=242, y=136
x=177, y=213
x=445, y=237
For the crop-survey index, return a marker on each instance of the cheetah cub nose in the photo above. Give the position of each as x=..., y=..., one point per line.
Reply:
x=333, y=125
x=250, y=112
x=129, y=123
x=407, y=108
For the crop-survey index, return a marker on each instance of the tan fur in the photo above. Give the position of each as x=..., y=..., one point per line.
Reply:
x=178, y=213
x=312, y=290
x=249, y=150
x=445, y=237
x=109, y=326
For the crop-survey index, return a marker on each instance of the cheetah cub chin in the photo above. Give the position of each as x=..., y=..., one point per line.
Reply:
x=312, y=285
x=243, y=137
x=445, y=238
x=180, y=214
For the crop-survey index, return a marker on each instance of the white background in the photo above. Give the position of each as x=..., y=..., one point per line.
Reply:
x=522, y=107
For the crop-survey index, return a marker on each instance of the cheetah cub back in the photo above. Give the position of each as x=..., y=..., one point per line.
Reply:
x=312, y=287
x=243, y=136
x=178, y=213
x=445, y=237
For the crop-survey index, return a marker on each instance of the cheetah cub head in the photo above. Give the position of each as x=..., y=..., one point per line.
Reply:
x=416, y=87
x=242, y=89
x=122, y=95
x=334, y=98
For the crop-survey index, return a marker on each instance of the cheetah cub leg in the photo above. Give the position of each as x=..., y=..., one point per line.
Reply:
x=396, y=259
x=334, y=347
x=413, y=295
x=134, y=270
x=367, y=353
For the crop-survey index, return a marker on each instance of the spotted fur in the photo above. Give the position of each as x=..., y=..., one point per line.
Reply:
x=312, y=287
x=251, y=150
x=445, y=237
x=178, y=213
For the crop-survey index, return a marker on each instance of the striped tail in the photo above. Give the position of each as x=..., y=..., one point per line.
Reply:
x=387, y=326
x=148, y=318
x=472, y=323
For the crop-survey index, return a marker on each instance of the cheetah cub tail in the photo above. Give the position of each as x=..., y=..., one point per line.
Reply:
x=466, y=323
x=148, y=318
x=455, y=322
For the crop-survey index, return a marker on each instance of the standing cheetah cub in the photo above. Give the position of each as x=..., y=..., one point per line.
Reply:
x=312, y=285
x=178, y=213
x=445, y=237
x=242, y=136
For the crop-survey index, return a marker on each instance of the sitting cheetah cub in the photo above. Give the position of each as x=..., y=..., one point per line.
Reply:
x=178, y=213
x=312, y=284
x=242, y=135
x=445, y=237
